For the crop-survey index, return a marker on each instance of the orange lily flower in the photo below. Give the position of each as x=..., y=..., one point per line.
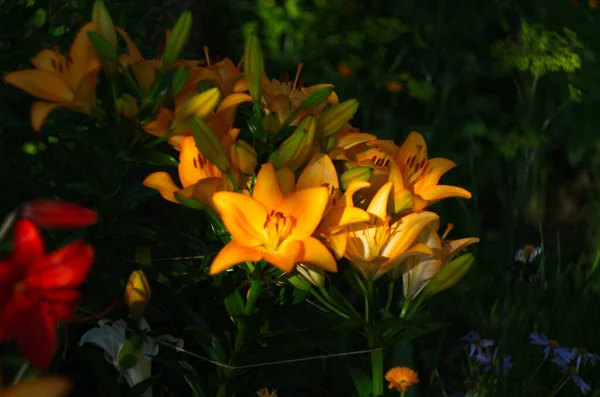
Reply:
x=416, y=177
x=272, y=227
x=376, y=247
x=282, y=97
x=199, y=177
x=47, y=386
x=67, y=82
x=224, y=74
x=422, y=268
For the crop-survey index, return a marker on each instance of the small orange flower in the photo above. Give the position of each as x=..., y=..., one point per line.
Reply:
x=401, y=378
x=344, y=70
x=394, y=86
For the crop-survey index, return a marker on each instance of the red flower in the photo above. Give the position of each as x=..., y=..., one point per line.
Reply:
x=54, y=214
x=38, y=289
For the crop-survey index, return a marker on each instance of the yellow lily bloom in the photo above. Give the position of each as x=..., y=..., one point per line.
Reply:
x=199, y=177
x=282, y=97
x=416, y=177
x=376, y=246
x=272, y=227
x=67, y=82
x=419, y=270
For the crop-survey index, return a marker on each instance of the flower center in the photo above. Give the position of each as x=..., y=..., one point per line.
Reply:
x=416, y=166
x=278, y=227
x=207, y=168
x=553, y=344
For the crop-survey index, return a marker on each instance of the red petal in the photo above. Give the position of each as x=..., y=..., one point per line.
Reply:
x=29, y=245
x=53, y=214
x=34, y=330
x=61, y=303
x=64, y=268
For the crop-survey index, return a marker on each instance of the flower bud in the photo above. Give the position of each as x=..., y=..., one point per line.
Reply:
x=295, y=149
x=177, y=39
x=316, y=98
x=137, y=294
x=243, y=157
x=103, y=48
x=271, y=123
x=253, y=66
x=180, y=78
x=106, y=29
x=54, y=214
x=126, y=106
x=298, y=282
x=355, y=174
x=449, y=275
x=200, y=105
x=335, y=117
x=209, y=145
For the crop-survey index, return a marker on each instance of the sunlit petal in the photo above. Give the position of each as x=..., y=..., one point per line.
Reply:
x=286, y=180
x=379, y=203
x=266, y=189
x=317, y=254
x=286, y=257
x=231, y=255
x=162, y=182
x=440, y=192
x=243, y=216
x=307, y=207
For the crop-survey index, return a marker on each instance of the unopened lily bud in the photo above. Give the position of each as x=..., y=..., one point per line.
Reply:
x=106, y=28
x=180, y=78
x=103, y=48
x=316, y=98
x=243, y=157
x=200, y=105
x=253, y=66
x=271, y=123
x=335, y=117
x=208, y=144
x=295, y=149
x=126, y=106
x=450, y=274
x=177, y=39
x=355, y=174
x=137, y=294
x=311, y=274
x=298, y=282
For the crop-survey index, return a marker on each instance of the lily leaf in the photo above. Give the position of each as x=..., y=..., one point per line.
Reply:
x=131, y=351
x=155, y=157
x=362, y=382
x=415, y=332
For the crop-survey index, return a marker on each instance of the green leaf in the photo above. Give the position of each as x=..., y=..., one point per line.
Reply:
x=362, y=382
x=235, y=303
x=190, y=202
x=415, y=332
x=348, y=325
x=346, y=306
x=141, y=387
x=131, y=351
x=37, y=20
x=103, y=47
x=154, y=157
x=85, y=188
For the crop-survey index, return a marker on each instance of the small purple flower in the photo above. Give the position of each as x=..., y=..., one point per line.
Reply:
x=564, y=366
x=488, y=362
x=475, y=344
x=581, y=356
x=550, y=345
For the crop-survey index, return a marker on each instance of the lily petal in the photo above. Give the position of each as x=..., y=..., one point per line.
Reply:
x=317, y=254
x=39, y=113
x=440, y=192
x=408, y=229
x=189, y=167
x=413, y=144
x=342, y=216
x=307, y=207
x=379, y=203
x=437, y=167
x=83, y=56
x=452, y=247
x=162, y=182
x=286, y=257
x=66, y=267
x=266, y=189
x=243, y=216
x=233, y=100
x=41, y=84
x=319, y=171
x=29, y=245
x=231, y=255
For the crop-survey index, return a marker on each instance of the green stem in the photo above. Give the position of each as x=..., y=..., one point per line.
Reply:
x=560, y=386
x=328, y=305
x=236, y=187
x=405, y=307
x=390, y=296
x=160, y=139
x=255, y=288
x=416, y=306
x=131, y=80
x=377, y=371
x=370, y=307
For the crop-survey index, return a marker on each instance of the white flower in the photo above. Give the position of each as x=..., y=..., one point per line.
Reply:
x=111, y=338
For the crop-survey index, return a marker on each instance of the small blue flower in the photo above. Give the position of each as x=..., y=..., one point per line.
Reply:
x=475, y=344
x=550, y=346
x=488, y=362
x=582, y=356
x=564, y=366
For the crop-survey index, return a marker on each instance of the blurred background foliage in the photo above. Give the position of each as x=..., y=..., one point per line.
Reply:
x=509, y=90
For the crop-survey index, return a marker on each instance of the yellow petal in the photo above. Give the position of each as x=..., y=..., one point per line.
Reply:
x=49, y=386
x=353, y=187
x=337, y=243
x=399, y=260
x=318, y=172
x=204, y=190
x=233, y=100
x=317, y=254
x=266, y=189
x=240, y=85
x=437, y=167
x=307, y=207
x=190, y=169
x=343, y=216
x=162, y=182
x=41, y=84
x=379, y=203
x=231, y=255
x=83, y=56
x=352, y=139
x=286, y=257
x=403, y=201
x=286, y=180
x=440, y=192
x=39, y=113
x=243, y=216
x=419, y=203
x=452, y=247
x=414, y=143
x=408, y=228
